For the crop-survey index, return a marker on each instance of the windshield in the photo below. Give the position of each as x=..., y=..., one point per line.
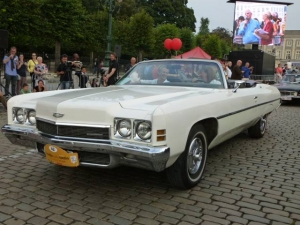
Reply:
x=186, y=73
x=295, y=78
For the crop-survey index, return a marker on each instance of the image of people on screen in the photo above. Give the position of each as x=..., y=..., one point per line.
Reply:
x=259, y=23
x=266, y=33
x=247, y=28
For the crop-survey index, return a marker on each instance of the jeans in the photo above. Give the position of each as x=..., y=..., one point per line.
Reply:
x=66, y=84
x=13, y=80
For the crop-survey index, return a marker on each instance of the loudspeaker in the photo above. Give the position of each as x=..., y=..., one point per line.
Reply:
x=3, y=39
x=118, y=49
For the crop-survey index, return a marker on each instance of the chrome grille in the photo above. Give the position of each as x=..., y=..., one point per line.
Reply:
x=73, y=131
x=288, y=93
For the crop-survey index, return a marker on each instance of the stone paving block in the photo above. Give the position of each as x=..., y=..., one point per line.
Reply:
x=56, y=209
x=279, y=218
x=146, y=221
x=223, y=199
x=4, y=217
x=232, y=196
x=230, y=212
x=38, y=220
x=256, y=219
x=9, y=202
x=215, y=220
x=14, y=221
x=76, y=216
x=166, y=219
x=60, y=219
x=214, y=213
x=225, y=205
x=295, y=216
x=275, y=211
x=207, y=206
x=252, y=212
x=271, y=205
x=237, y=219
x=266, y=199
x=192, y=219
x=248, y=205
x=7, y=209
x=25, y=207
x=188, y=212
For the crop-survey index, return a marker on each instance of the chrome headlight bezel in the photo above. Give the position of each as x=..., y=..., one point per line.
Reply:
x=137, y=133
x=118, y=123
x=24, y=116
x=31, y=118
x=19, y=115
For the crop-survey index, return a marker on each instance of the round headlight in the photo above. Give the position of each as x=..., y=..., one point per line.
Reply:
x=31, y=117
x=144, y=130
x=124, y=128
x=20, y=115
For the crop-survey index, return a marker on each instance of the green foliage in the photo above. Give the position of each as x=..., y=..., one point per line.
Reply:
x=162, y=32
x=187, y=38
x=141, y=31
x=212, y=46
x=204, y=24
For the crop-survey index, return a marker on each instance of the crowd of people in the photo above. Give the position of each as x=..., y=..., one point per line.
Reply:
x=269, y=31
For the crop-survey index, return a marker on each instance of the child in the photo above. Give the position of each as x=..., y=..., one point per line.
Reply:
x=25, y=89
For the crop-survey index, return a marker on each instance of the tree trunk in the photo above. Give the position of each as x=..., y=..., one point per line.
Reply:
x=57, y=54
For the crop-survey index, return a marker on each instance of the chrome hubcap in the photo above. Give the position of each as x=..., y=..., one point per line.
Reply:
x=263, y=124
x=195, y=156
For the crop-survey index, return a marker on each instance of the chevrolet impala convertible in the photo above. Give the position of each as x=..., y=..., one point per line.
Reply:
x=161, y=115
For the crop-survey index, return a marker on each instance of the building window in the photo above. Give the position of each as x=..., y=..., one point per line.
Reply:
x=297, y=55
x=278, y=54
x=289, y=43
x=288, y=55
x=298, y=43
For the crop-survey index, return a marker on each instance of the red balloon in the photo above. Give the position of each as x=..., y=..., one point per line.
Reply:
x=168, y=44
x=176, y=44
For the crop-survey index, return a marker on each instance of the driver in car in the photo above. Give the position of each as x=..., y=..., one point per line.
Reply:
x=162, y=77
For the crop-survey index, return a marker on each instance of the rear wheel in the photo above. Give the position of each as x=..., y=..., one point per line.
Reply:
x=259, y=129
x=187, y=171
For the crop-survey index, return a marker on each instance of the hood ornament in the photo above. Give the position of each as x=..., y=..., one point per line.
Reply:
x=58, y=115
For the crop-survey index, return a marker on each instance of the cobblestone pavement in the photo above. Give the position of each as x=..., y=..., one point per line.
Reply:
x=246, y=182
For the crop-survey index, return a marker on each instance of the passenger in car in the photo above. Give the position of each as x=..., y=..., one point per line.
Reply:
x=162, y=77
x=209, y=75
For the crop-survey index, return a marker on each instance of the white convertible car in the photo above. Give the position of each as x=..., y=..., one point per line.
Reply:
x=162, y=115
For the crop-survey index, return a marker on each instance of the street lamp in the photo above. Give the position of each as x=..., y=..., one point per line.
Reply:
x=111, y=8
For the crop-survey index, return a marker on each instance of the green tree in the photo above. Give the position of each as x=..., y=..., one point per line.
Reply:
x=204, y=26
x=141, y=32
x=162, y=32
x=186, y=36
x=212, y=46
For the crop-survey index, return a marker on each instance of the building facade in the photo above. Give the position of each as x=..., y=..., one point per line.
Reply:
x=289, y=51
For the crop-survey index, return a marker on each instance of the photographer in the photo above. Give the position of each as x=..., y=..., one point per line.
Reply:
x=64, y=70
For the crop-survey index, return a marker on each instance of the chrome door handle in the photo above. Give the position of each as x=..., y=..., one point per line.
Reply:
x=255, y=97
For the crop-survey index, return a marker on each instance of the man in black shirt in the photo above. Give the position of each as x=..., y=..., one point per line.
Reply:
x=64, y=70
x=111, y=77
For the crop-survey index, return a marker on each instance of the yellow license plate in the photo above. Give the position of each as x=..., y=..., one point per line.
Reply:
x=61, y=157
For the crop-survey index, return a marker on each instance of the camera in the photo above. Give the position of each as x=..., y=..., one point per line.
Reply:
x=102, y=71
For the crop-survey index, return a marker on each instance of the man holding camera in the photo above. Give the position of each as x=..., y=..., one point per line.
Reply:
x=11, y=62
x=64, y=70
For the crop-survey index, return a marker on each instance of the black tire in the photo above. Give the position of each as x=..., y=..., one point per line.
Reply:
x=188, y=169
x=259, y=129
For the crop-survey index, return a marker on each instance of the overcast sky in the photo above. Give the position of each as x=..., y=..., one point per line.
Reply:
x=221, y=14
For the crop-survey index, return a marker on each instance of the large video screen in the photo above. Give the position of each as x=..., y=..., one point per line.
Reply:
x=259, y=23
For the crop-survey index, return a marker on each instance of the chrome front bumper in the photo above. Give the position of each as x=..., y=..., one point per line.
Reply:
x=120, y=153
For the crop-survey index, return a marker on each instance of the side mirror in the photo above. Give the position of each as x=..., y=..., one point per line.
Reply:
x=237, y=85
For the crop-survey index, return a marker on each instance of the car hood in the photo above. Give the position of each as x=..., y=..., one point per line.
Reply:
x=288, y=87
x=100, y=102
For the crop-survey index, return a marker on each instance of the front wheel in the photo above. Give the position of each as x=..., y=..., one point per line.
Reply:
x=187, y=171
x=259, y=129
